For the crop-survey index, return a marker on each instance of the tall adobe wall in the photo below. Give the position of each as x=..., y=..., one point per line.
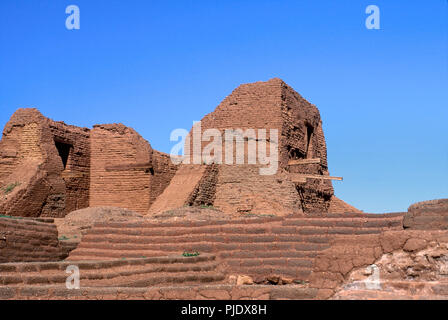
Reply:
x=48, y=168
x=240, y=188
x=44, y=166
x=125, y=171
x=273, y=105
x=162, y=171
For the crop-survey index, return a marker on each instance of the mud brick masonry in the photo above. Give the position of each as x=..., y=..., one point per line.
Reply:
x=52, y=168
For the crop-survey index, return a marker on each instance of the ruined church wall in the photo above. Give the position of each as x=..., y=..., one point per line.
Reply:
x=241, y=189
x=162, y=171
x=20, y=140
x=303, y=138
x=269, y=105
x=30, y=161
x=115, y=181
x=76, y=172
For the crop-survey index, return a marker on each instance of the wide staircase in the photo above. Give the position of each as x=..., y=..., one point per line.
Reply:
x=259, y=247
x=136, y=272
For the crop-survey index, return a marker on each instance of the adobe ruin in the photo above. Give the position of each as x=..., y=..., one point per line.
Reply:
x=53, y=168
x=202, y=231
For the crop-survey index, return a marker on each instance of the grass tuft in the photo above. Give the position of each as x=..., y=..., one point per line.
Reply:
x=10, y=187
x=190, y=254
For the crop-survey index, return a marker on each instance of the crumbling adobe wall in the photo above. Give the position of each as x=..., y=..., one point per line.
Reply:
x=115, y=179
x=46, y=166
x=125, y=171
x=242, y=190
x=269, y=105
x=49, y=168
x=163, y=170
x=347, y=254
x=75, y=170
x=35, y=180
x=204, y=192
x=401, y=255
x=303, y=138
x=432, y=214
x=26, y=240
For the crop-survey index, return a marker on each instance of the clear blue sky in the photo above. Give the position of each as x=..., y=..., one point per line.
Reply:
x=159, y=65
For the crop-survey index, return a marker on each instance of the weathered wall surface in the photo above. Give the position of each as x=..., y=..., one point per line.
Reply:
x=163, y=170
x=44, y=166
x=205, y=191
x=27, y=240
x=303, y=138
x=207, y=292
x=48, y=168
x=242, y=190
x=75, y=170
x=239, y=187
x=432, y=214
x=120, y=173
x=349, y=253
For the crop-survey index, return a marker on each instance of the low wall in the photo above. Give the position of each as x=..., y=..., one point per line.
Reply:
x=213, y=292
x=28, y=240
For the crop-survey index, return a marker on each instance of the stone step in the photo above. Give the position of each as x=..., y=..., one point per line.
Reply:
x=316, y=230
x=179, y=231
x=239, y=254
x=290, y=226
x=175, y=279
x=119, y=272
x=190, y=224
x=91, y=256
x=101, y=264
x=349, y=215
x=182, y=292
x=263, y=272
x=123, y=249
x=346, y=222
x=268, y=262
x=55, y=277
x=211, y=238
x=371, y=295
x=26, y=224
x=110, y=279
x=268, y=233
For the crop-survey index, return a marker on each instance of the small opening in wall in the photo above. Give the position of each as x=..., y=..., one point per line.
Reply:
x=309, y=142
x=294, y=153
x=64, y=151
